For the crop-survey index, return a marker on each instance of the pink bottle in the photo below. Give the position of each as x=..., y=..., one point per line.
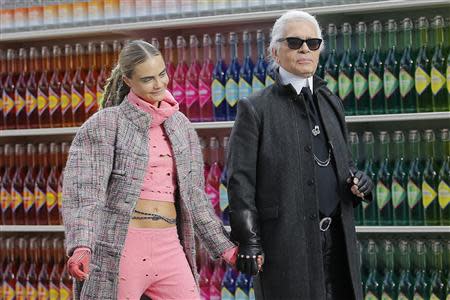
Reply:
x=206, y=271
x=168, y=58
x=192, y=100
x=213, y=179
x=179, y=78
x=215, y=286
x=204, y=82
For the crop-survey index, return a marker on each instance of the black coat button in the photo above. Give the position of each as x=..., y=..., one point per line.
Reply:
x=311, y=182
x=313, y=216
x=308, y=148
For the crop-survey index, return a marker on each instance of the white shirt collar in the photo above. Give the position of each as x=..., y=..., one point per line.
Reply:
x=297, y=82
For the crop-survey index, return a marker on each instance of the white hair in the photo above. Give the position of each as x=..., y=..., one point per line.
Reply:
x=280, y=24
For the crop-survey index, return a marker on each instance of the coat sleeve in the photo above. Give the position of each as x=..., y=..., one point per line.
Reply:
x=242, y=170
x=86, y=177
x=207, y=226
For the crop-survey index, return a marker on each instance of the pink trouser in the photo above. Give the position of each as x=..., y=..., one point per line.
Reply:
x=153, y=263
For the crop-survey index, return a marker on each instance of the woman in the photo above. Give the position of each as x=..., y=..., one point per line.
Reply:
x=134, y=191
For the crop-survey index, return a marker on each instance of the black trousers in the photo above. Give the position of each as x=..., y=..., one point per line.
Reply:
x=338, y=282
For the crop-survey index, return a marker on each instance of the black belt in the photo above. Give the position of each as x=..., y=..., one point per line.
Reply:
x=325, y=222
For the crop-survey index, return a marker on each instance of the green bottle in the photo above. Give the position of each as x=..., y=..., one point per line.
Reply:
x=423, y=70
x=406, y=74
x=353, y=141
x=331, y=68
x=414, y=194
x=389, y=283
x=376, y=69
x=430, y=182
x=422, y=282
x=437, y=276
x=384, y=183
x=370, y=209
x=447, y=39
x=405, y=288
x=400, y=181
x=444, y=179
x=361, y=74
x=345, y=79
x=438, y=80
x=373, y=286
x=391, y=71
x=360, y=248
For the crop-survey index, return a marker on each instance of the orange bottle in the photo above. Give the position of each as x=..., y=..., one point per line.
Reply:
x=9, y=109
x=105, y=71
x=43, y=90
x=9, y=274
x=31, y=106
x=65, y=153
x=78, y=107
x=3, y=74
x=34, y=270
x=21, y=278
x=2, y=162
x=17, y=190
x=90, y=87
x=30, y=181
x=66, y=88
x=40, y=187
x=55, y=276
x=52, y=185
x=55, y=89
x=5, y=195
x=44, y=274
x=20, y=94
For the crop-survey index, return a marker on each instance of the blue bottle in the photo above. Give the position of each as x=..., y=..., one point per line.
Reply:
x=218, y=83
x=223, y=190
x=242, y=287
x=259, y=72
x=251, y=290
x=246, y=73
x=229, y=284
x=231, y=87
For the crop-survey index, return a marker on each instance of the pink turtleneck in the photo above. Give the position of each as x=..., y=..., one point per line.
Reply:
x=160, y=179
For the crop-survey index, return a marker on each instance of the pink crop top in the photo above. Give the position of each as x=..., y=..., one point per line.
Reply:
x=160, y=180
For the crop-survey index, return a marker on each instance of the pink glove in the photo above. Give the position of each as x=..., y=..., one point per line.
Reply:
x=78, y=263
x=230, y=256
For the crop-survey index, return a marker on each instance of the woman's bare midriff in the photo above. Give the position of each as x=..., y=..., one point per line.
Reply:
x=162, y=208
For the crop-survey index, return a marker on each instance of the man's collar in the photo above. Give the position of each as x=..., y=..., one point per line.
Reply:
x=297, y=82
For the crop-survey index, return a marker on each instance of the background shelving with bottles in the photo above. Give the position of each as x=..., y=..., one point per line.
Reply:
x=241, y=25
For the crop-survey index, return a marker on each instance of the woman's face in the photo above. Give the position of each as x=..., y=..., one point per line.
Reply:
x=149, y=80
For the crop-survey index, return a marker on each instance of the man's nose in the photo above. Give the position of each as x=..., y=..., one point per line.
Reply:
x=304, y=48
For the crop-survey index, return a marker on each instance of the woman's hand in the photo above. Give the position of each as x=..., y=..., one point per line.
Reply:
x=78, y=263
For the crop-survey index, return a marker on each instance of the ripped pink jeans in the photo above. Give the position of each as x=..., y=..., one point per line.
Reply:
x=153, y=263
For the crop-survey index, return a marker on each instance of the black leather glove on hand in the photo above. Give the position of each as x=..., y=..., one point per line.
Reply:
x=247, y=259
x=363, y=182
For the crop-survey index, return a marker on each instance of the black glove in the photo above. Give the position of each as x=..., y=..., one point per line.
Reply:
x=247, y=259
x=364, y=183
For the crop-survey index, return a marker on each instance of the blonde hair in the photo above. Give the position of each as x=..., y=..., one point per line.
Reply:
x=133, y=54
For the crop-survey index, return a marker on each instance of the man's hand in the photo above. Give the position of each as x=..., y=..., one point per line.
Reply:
x=361, y=184
x=249, y=259
x=78, y=263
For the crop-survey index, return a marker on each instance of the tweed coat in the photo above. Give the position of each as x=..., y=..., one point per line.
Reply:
x=102, y=182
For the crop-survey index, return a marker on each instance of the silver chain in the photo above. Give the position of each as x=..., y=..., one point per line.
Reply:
x=154, y=217
x=324, y=163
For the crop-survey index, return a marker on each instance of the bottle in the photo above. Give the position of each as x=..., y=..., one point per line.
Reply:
x=437, y=286
x=430, y=182
x=391, y=71
x=406, y=75
x=213, y=179
x=400, y=181
x=370, y=214
x=376, y=72
x=232, y=77
x=179, y=77
x=3, y=75
x=90, y=86
x=444, y=179
x=66, y=88
x=423, y=70
x=384, y=183
x=259, y=71
x=353, y=141
x=416, y=212
x=55, y=90
x=29, y=182
x=32, y=90
x=218, y=84
x=438, y=80
x=246, y=72
x=40, y=187
x=361, y=73
x=43, y=90
x=105, y=70
x=10, y=271
x=45, y=271
x=216, y=280
x=373, y=286
x=389, y=282
x=65, y=153
x=65, y=285
x=168, y=58
x=422, y=282
x=242, y=287
x=8, y=175
x=20, y=94
x=9, y=109
x=55, y=275
x=52, y=185
x=205, y=81
x=21, y=277
x=78, y=85
x=331, y=68
x=229, y=284
x=346, y=71
x=224, y=203
x=34, y=269
x=17, y=186
x=405, y=287
x=205, y=276
x=192, y=77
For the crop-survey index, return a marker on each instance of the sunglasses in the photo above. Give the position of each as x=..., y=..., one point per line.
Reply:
x=296, y=43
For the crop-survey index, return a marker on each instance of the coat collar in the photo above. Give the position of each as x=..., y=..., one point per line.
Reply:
x=288, y=89
x=138, y=117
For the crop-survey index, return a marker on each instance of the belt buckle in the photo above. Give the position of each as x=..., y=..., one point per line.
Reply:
x=325, y=224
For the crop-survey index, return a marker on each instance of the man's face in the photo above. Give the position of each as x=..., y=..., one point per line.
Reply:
x=301, y=62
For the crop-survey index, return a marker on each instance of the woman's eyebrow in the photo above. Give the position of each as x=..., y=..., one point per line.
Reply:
x=151, y=77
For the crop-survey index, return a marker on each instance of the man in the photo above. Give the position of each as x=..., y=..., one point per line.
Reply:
x=292, y=182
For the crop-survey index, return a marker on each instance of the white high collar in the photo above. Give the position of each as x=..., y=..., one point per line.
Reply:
x=296, y=81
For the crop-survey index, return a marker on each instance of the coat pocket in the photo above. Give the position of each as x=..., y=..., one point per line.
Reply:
x=268, y=213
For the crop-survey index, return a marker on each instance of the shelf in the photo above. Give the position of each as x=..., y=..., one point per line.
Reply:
x=400, y=117
x=31, y=228
x=122, y=29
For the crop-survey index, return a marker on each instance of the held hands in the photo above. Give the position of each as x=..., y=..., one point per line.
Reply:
x=250, y=259
x=360, y=184
x=78, y=263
